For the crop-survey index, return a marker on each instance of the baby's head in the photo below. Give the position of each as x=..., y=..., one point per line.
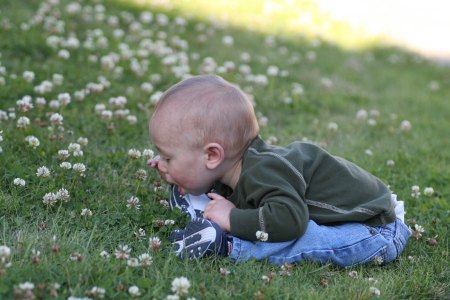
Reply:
x=206, y=109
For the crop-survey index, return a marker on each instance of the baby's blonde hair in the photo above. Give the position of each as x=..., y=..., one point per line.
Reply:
x=210, y=109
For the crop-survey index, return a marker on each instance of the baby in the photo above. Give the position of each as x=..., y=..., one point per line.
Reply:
x=282, y=204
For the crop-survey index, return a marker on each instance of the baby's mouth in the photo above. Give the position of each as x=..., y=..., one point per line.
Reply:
x=180, y=190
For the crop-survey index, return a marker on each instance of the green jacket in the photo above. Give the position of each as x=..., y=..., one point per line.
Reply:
x=280, y=189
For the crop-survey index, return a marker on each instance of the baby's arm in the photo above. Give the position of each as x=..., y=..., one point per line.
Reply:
x=218, y=210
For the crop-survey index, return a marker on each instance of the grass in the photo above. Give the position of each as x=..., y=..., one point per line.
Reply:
x=387, y=79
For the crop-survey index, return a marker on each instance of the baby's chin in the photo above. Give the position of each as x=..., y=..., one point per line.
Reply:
x=193, y=193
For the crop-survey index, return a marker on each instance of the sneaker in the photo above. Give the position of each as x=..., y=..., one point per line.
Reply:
x=203, y=238
x=176, y=238
x=192, y=205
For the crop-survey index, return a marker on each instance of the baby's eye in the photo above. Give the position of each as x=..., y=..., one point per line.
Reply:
x=167, y=159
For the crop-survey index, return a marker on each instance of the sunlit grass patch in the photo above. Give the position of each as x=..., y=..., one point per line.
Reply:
x=78, y=82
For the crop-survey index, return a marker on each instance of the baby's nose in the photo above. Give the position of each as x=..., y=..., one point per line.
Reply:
x=162, y=168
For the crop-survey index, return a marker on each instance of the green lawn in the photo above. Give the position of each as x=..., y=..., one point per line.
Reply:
x=100, y=53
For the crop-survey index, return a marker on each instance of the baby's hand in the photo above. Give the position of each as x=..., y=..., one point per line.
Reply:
x=153, y=162
x=218, y=210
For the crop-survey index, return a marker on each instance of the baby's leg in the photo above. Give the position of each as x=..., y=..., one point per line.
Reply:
x=344, y=245
x=192, y=205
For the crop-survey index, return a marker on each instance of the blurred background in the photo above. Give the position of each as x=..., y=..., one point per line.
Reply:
x=421, y=26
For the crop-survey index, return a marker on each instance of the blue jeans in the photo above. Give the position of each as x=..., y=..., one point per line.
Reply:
x=344, y=245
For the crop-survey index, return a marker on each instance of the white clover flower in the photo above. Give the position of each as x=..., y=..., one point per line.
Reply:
x=270, y=41
x=228, y=40
x=415, y=191
x=106, y=115
x=368, y=152
x=19, y=181
x=86, y=212
x=63, y=154
x=5, y=251
x=133, y=202
x=33, y=141
x=64, y=98
x=332, y=127
x=261, y=80
x=54, y=104
x=371, y=122
x=53, y=41
x=63, y=195
x=134, y=154
x=66, y=165
x=64, y=54
x=78, y=153
x=419, y=228
x=141, y=174
x=134, y=291
x=57, y=79
x=361, y=114
x=155, y=243
x=133, y=262
x=122, y=252
x=154, y=99
x=272, y=71
x=43, y=172
x=262, y=236
x=326, y=83
x=79, y=95
x=74, y=147
x=390, y=163
x=297, y=89
x=73, y=8
x=28, y=76
x=56, y=119
x=49, y=199
x=180, y=286
x=147, y=87
x=83, y=141
x=26, y=286
x=169, y=222
x=79, y=167
x=405, y=126
x=132, y=120
x=25, y=103
x=375, y=291
x=433, y=86
x=245, y=57
x=23, y=122
x=148, y=153
x=96, y=292
x=99, y=108
x=429, y=191
x=104, y=254
x=311, y=56
x=146, y=260
x=40, y=102
x=353, y=274
x=141, y=232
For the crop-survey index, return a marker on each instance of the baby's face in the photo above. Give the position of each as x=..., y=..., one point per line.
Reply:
x=180, y=163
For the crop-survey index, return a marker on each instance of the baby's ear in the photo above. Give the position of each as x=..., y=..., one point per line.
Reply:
x=214, y=155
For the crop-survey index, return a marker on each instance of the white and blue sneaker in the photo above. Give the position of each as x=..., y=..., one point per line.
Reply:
x=176, y=238
x=200, y=238
x=192, y=205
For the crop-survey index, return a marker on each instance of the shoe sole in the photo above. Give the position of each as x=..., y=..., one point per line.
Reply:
x=201, y=238
x=176, y=238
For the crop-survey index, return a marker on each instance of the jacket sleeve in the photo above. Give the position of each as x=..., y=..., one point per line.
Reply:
x=272, y=201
